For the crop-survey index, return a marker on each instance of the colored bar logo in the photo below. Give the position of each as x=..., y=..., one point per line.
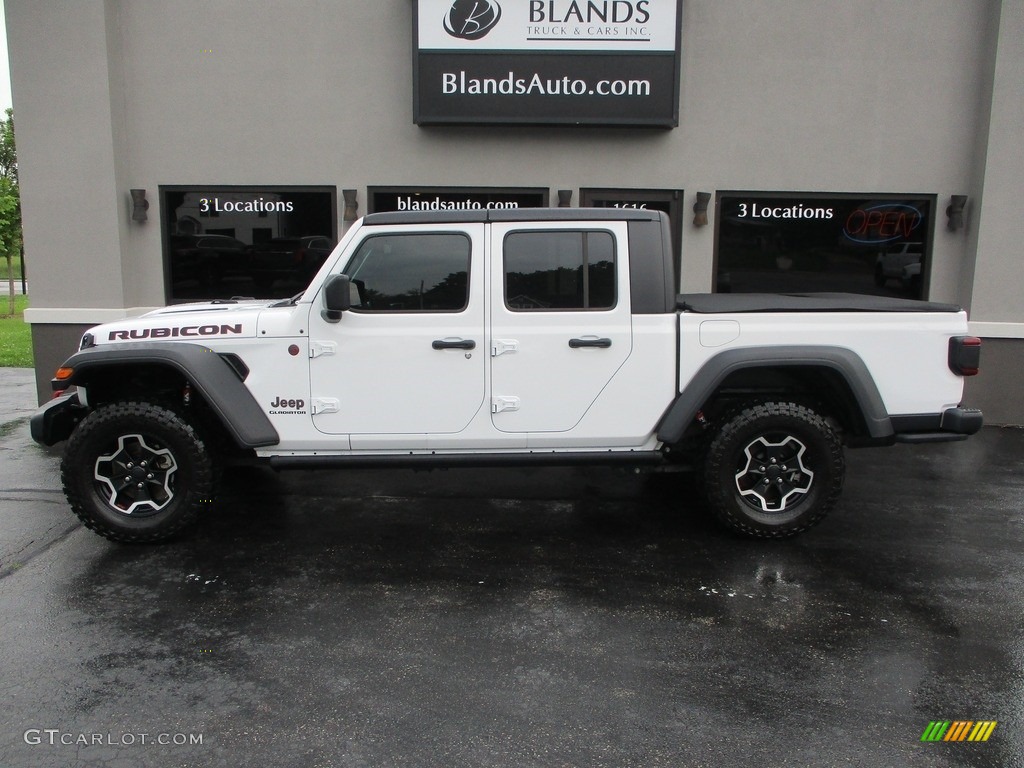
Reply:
x=958, y=730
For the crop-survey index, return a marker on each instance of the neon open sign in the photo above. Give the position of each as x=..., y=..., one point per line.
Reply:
x=882, y=223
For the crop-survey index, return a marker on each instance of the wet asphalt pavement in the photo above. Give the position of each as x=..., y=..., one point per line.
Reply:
x=562, y=617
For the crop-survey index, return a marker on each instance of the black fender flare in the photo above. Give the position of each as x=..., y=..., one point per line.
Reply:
x=845, y=362
x=205, y=369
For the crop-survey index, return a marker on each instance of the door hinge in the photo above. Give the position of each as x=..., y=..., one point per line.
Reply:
x=501, y=346
x=317, y=348
x=499, y=404
x=326, y=405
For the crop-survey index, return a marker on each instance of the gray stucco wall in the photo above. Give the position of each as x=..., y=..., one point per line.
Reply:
x=997, y=389
x=921, y=97
x=997, y=294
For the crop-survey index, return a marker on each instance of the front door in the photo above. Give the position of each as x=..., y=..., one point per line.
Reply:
x=409, y=359
x=560, y=323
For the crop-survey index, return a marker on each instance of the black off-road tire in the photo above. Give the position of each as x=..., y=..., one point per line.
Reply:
x=773, y=470
x=136, y=472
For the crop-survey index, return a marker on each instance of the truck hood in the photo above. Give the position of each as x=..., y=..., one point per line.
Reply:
x=185, y=322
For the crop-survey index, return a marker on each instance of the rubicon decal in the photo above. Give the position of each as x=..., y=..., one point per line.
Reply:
x=471, y=19
x=176, y=332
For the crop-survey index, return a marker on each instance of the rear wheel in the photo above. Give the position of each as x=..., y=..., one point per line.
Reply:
x=136, y=472
x=773, y=470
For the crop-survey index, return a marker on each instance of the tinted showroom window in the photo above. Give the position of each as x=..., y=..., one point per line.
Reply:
x=560, y=269
x=242, y=241
x=412, y=273
x=789, y=243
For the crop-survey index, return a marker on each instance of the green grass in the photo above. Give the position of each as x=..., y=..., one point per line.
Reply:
x=15, y=334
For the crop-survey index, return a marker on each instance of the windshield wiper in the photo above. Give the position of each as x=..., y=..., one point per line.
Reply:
x=287, y=302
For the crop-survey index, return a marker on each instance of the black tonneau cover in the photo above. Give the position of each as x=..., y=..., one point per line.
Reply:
x=721, y=303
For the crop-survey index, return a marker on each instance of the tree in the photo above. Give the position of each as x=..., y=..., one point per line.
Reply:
x=8, y=152
x=10, y=202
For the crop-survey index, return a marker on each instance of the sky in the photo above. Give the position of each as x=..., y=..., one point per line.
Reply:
x=5, y=74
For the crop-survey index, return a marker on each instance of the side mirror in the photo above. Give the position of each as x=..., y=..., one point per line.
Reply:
x=338, y=297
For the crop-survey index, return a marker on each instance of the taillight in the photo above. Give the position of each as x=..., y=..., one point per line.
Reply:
x=964, y=355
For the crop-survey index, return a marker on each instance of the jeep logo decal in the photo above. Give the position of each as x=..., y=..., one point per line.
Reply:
x=471, y=19
x=284, y=406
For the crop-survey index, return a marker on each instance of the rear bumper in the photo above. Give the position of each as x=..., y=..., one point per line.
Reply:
x=56, y=420
x=952, y=424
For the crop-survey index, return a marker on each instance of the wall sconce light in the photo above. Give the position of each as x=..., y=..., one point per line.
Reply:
x=139, y=205
x=700, y=209
x=955, y=212
x=351, y=206
x=565, y=198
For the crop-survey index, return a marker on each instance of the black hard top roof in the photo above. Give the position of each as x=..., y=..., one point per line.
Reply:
x=511, y=214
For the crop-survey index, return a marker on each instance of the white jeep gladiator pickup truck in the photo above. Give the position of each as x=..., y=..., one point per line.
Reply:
x=501, y=338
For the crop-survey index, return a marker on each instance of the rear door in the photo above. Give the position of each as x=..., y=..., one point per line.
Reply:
x=560, y=321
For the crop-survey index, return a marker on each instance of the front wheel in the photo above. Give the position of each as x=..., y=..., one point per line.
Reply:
x=136, y=472
x=773, y=470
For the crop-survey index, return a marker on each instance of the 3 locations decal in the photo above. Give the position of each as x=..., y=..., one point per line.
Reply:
x=542, y=62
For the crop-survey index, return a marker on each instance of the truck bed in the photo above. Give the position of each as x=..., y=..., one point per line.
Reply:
x=730, y=303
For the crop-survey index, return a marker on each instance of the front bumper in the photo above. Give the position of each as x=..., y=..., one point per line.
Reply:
x=56, y=420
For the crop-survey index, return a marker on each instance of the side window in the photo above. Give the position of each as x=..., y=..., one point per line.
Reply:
x=558, y=270
x=420, y=272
